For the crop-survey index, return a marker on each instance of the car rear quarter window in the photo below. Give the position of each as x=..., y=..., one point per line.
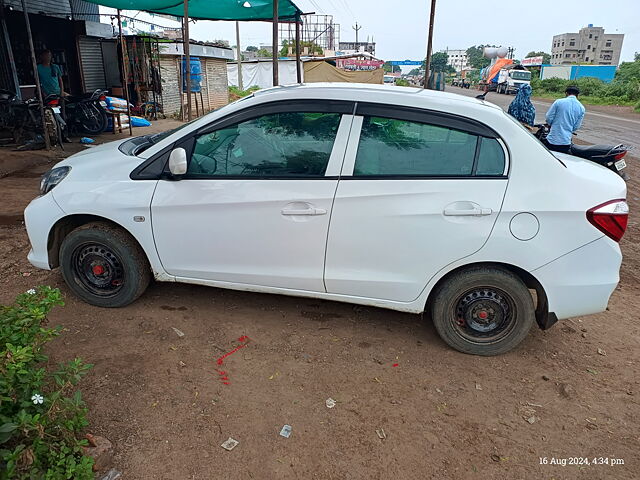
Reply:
x=292, y=144
x=491, y=160
x=392, y=147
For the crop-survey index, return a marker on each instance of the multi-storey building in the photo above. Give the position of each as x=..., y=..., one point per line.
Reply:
x=589, y=45
x=458, y=59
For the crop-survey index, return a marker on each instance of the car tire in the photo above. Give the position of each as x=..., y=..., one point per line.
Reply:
x=483, y=311
x=104, y=265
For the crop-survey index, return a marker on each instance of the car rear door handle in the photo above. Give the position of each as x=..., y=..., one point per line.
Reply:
x=471, y=212
x=303, y=211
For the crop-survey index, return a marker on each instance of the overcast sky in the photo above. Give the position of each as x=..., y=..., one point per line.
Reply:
x=400, y=27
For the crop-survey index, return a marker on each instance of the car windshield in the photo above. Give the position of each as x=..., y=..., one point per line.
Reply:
x=136, y=145
x=520, y=75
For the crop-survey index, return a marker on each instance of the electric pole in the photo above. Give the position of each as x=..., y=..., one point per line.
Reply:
x=427, y=64
x=238, y=50
x=357, y=29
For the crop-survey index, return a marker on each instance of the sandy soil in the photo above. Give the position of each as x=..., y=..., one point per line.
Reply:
x=445, y=415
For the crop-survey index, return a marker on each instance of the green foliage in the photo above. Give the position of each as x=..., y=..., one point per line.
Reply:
x=264, y=53
x=41, y=413
x=252, y=48
x=624, y=89
x=476, y=58
x=235, y=93
x=546, y=57
x=313, y=48
x=388, y=68
x=439, y=63
x=401, y=82
x=636, y=57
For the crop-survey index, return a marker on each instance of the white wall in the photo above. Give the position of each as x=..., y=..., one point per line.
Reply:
x=261, y=73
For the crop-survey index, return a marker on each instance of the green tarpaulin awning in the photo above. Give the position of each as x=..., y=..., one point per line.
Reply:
x=243, y=10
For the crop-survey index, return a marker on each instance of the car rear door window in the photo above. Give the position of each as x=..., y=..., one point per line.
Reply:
x=296, y=144
x=402, y=148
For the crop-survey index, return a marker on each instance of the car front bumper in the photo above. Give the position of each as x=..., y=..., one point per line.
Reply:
x=39, y=217
x=581, y=282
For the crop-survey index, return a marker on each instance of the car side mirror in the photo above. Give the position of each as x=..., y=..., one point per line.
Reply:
x=178, y=161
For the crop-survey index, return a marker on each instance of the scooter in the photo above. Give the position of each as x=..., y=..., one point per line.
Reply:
x=609, y=156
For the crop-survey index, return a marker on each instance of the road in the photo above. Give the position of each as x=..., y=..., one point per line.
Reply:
x=598, y=127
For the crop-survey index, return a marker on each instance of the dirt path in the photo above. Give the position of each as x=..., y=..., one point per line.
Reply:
x=445, y=415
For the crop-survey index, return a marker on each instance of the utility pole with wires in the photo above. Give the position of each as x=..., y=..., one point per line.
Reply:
x=357, y=29
x=427, y=63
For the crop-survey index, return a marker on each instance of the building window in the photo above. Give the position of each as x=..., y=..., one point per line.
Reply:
x=586, y=59
x=608, y=44
x=572, y=43
x=595, y=38
x=590, y=35
x=562, y=45
x=588, y=47
x=567, y=55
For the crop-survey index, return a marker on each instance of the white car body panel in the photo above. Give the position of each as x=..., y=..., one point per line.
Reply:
x=559, y=255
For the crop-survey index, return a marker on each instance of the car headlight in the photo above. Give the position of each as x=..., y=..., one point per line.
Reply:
x=52, y=178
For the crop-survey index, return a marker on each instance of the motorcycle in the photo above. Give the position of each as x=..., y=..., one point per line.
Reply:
x=87, y=113
x=22, y=119
x=609, y=156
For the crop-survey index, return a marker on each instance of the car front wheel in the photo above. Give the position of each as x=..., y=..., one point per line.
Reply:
x=483, y=311
x=104, y=265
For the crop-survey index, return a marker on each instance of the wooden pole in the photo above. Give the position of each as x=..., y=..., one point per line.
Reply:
x=238, y=52
x=34, y=64
x=187, y=57
x=275, y=43
x=427, y=65
x=7, y=41
x=298, y=65
x=125, y=74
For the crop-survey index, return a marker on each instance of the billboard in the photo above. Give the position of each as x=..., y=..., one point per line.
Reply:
x=354, y=64
x=406, y=62
x=530, y=61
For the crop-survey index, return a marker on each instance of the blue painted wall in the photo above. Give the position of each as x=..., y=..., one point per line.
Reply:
x=603, y=72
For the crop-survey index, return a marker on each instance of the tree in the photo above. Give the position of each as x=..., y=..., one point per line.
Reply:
x=388, y=68
x=476, y=57
x=546, y=57
x=628, y=72
x=251, y=48
x=415, y=72
x=439, y=63
x=636, y=57
x=313, y=48
x=264, y=53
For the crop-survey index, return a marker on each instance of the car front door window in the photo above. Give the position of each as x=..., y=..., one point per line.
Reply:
x=279, y=145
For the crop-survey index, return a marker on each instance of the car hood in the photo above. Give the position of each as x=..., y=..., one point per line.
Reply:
x=100, y=163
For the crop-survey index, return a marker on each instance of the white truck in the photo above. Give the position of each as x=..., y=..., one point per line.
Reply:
x=511, y=78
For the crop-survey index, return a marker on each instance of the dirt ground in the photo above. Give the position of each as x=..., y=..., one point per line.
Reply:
x=445, y=415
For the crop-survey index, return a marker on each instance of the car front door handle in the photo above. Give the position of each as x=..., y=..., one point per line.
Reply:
x=304, y=211
x=471, y=212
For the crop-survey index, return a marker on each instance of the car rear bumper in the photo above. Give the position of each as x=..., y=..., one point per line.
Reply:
x=581, y=282
x=39, y=217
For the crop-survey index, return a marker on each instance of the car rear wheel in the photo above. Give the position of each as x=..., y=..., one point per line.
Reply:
x=104, y=265
x=483, y=311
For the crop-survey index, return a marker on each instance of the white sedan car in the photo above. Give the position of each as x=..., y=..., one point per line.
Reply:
x=392, y=197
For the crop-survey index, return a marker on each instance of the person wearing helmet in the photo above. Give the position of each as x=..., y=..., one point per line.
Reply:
x=565, y=117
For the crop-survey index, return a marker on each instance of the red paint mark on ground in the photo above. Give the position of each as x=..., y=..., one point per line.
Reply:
x=395, y=364
x=220, y=360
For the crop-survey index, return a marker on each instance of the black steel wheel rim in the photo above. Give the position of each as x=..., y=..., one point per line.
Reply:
x=484, y=315
x=98, y=269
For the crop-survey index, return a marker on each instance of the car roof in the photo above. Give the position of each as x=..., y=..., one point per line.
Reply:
x=364, y=92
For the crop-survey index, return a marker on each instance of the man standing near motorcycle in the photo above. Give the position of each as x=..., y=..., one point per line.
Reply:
x=51, y=83
x=565, y=117
x=50, y=75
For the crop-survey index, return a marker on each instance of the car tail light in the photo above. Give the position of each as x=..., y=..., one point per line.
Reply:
x=610, y=218
x=620, y=155
x=104, y=97
x=52, y=103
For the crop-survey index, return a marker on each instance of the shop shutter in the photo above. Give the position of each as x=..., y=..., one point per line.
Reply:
x=91, y=64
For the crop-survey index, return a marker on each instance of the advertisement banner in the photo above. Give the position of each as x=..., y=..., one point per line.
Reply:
x=354, y=64
x=530, y=61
